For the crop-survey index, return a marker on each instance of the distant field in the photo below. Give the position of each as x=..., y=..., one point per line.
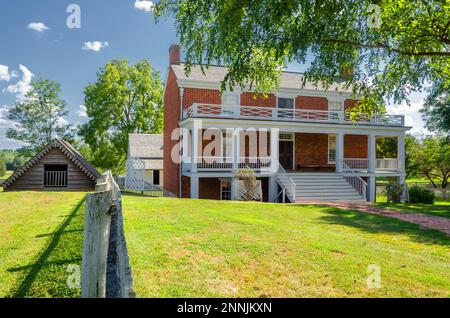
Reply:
x=41, y=235
x=204, y=248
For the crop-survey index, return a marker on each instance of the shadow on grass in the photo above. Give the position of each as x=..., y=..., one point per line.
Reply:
x=47, y=276
x=382, y=224
x=429, y=209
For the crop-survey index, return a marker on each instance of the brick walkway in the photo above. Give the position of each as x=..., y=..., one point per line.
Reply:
x=428, y=221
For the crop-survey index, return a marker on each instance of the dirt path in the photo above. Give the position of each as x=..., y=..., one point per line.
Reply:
x=428, y=221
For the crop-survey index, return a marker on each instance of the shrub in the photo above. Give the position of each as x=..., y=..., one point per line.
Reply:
x=421, y=195
x=394, y=192
x=2, y=167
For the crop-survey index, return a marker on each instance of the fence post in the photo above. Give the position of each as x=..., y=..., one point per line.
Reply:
x=95, y=244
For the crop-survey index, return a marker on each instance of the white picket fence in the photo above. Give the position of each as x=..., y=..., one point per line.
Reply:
x=105, y=264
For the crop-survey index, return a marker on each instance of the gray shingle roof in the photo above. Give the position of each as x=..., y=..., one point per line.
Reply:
x=67, y=149
x=145, y=146
x=215, y=74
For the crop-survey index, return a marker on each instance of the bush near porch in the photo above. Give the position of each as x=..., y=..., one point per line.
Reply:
x=201, y=248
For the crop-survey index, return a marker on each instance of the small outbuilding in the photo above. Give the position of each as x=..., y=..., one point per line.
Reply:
x=57, y=167
x=144, y=161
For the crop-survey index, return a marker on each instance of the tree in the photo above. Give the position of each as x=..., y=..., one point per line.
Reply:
x=436, y=110
x=412, y=147
x=2, y=167
x=434, y=161
x=382, y=48
x=125, y=99
x=39, y=118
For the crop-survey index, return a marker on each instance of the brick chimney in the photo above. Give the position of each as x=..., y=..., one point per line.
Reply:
x=174, y=54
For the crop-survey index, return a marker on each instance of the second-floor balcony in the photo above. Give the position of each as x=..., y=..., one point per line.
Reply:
x=291, y=115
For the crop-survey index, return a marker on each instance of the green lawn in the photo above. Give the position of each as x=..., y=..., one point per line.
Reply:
x=41, y=235
x=439, y=208
x=201, y=248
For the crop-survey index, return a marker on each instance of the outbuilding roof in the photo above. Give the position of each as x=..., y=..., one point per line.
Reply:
x=145, y=146
x=67, y=149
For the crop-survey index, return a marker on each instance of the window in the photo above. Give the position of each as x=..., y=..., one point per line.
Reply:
x=230, y=102
x=156, y=177
x=226, y=143
x=334, y=107
x=225, y=190
x=285, y=102
x=285, y=107
x=55, y=176
x=331, y=149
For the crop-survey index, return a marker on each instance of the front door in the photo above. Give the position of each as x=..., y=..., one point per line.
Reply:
x=286, y=155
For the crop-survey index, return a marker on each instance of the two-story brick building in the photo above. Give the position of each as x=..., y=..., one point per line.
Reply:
x=301, y=142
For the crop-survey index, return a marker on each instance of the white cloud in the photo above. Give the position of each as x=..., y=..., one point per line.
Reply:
x=82, y=111
x=94, y=45
x=5, y=122
x=4, y=73
x=144, y=5
x=61, y=121
x=14, y=74
x=412, y=116
x=22, y=87
x=37, y=26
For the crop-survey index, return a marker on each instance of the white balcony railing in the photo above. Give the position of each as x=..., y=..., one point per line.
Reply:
x=362, y=164
x=215, y=163
x=255, y=163
x=282, y=114
x=226, y=163
x=387, y=164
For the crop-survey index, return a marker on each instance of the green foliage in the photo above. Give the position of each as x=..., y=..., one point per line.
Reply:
x=256, y=40
x=421, y=195
x=433, y=160
x=125, y=99
x=387, y=147
x=39, y=117
x=18, y=162
x=412, y=165
x=394, y=192
x=436, y=110
x=2, y=167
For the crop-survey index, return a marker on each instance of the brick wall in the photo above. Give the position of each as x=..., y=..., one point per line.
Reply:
x=310, y=102
x=250, y=99
x=200, y=95
x=355, y=146
x=311, y=149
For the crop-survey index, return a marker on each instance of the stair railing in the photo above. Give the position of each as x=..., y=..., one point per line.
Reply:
x=356, y=182
x=286, y=183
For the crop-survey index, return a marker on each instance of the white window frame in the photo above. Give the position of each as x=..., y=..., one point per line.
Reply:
x=335, y=149
x=287, y=97
x=221, y=188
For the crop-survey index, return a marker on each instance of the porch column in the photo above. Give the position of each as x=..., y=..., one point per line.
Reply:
x=234, y=187
x=195, y=144
x=235, y=148
x=372, y=195
x=273, y=187
x=185, y=146
x=194, y=186
x=274, y=151
x=371, y=151
x=401, y=153
x=340, y=152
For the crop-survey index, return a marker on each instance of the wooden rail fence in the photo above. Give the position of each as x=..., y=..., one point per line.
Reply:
x=105, y=264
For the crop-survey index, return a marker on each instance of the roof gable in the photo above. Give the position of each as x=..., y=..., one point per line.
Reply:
x=67, y=149
x=145, y=146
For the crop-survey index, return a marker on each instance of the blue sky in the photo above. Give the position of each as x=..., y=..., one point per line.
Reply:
x=36, y=42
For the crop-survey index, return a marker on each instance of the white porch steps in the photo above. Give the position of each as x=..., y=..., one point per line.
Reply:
x=323, y=187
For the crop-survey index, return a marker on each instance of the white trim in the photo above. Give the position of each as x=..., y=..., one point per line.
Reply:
x=335, y=149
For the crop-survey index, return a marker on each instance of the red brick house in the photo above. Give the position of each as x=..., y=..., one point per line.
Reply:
x=300, y=142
